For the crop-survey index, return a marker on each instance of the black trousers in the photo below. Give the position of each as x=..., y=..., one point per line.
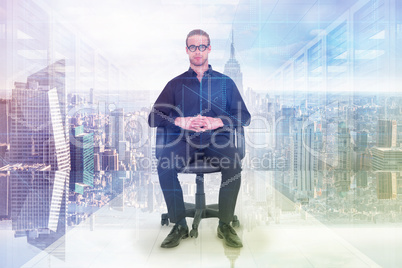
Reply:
x=220, y=152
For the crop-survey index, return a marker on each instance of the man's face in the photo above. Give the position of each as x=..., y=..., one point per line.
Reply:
x=198, y=58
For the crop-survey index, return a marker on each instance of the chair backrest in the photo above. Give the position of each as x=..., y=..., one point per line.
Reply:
x=237, y=136
x=161, y=139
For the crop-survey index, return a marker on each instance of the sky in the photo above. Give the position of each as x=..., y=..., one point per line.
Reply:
x=146, y=39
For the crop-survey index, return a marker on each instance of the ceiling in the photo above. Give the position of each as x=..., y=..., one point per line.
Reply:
x=283, y=27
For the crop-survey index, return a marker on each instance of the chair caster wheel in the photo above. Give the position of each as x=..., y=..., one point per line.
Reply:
x=165, y=220
x=194, y=233
x=235, y=222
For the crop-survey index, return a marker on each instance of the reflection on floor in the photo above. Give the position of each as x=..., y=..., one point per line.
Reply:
x=130, y=237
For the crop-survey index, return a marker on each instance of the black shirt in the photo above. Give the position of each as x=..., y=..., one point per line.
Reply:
x=215, y=96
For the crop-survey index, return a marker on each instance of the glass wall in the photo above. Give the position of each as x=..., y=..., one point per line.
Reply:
x=370, y=53
x=33, y=38
x=352, y=99
x=338, y=58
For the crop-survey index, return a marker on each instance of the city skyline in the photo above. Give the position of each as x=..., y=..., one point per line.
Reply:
x=319, y=165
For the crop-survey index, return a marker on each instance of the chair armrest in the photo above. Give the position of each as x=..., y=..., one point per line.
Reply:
x=240, y=141
x=161, y=140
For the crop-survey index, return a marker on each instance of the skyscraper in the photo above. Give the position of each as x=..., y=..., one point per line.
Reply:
x=361, y=141
x=344, y=168
x=387, y=159
x=117, y=120
x=4, y=195
x=39, y=156
x=91, y=96
x=4, y=121
x=361, y=178
x=386, y=133
x=110, y=160
x=304, y=157
x=4, y=131
x=232, y=68
x=38, y=202
x=386, y=185
x=36, y=197
x=387, y=164
x=37, y=127
x=54, y=76
x=260, y=139
x=284, y=120
x=82, y=158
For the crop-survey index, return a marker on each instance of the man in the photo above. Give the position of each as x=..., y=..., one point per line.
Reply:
x=199, y=108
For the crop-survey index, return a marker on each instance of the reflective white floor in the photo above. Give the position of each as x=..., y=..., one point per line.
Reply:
x=131, y=238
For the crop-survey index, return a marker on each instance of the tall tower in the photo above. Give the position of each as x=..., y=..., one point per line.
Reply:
x=91, y=96
x=304, y=150
x=39, y=156
x=285, y=119
x=232, y=68
x=386, y=185
x=4, y=195
x=386, y=133
x=4, y=120
x=118, y=128
x=37, y=128
x=82, y=159
x=387, y=165
x=344, y=168
x=37, y=198
x=4, y=131
x=54, y=76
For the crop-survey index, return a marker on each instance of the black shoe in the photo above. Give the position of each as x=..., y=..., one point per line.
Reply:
x=226, y=232
x=173, y=239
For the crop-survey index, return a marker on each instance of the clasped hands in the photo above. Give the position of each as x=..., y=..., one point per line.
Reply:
x=198, y=123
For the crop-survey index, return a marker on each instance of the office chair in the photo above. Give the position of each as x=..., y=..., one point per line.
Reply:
x=199, y=210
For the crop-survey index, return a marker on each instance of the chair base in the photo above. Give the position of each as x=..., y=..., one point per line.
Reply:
x=209, y=211
x=199, y=210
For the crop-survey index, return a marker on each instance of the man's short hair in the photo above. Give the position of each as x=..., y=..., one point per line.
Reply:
x=198, y=32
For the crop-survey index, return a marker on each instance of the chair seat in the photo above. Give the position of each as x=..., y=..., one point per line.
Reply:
x=200, y=166
x=199, y=209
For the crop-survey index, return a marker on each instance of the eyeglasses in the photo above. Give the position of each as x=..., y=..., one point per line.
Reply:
x=201, y=48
